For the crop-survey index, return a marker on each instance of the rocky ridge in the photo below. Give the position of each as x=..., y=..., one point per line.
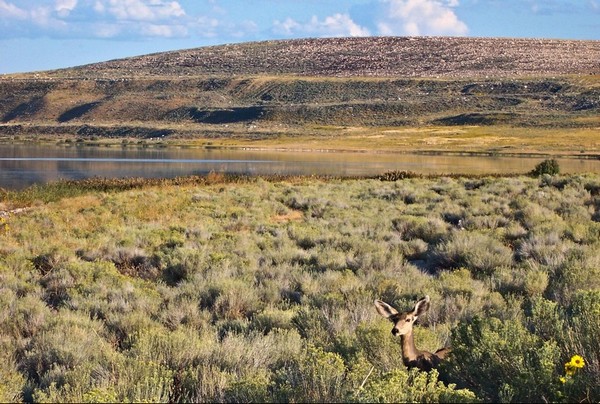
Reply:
x=447, y=57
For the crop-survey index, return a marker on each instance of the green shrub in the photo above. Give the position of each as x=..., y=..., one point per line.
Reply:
x=143, y=381
x=549, y=167
x=12, y=381
x=547, y=320
x=177, y=349
x=312, y=326
x=203, y=383
x=378, y=345
x=316, y=376
x=584, y=339
x=431, y=230
x=412, y=386
x=503, y=361
x=69, y=342
x=537, y=218
x=477, y=252
x=580, y=271
x=252, y=388
x=271, y=319
x=22, y=317
x=547, y=249
x=100, y=395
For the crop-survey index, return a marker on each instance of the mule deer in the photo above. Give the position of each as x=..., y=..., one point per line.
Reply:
x=403, y=326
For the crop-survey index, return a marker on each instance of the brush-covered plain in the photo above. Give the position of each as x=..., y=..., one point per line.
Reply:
x=263, y=290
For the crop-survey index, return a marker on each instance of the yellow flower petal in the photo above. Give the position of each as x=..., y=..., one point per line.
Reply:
x=577, y=361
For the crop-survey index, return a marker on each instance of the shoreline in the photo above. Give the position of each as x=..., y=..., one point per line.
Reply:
x=299, y=148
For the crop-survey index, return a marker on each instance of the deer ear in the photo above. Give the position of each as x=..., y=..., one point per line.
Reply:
x=421, y=306
x=385, y=309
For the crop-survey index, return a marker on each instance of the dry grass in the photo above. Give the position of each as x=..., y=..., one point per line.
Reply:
x=480, y=139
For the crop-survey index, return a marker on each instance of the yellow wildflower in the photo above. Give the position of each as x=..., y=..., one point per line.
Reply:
x=577, y=362
x=570, y=369
x=562, y=379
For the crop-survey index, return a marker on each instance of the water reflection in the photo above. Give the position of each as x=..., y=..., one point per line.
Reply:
x=23, y=165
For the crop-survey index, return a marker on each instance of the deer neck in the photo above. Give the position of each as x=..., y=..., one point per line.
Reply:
x=410, y=353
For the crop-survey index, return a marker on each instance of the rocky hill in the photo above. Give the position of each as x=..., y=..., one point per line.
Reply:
x=370, y=57
x=288, y=86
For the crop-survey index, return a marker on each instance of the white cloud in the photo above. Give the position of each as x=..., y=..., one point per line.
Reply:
x=93, y=18
x=208, y=26
x=382, y=17
x=288, y=27
x=64, y=7
x=29, y=18
x=9, y=10
x=211, y=27
x=135, y=19
x=42, y=16
x=420, y=17
x=140, y=10
x=163, y=30
x=243, y=29
x=106, y=30
x=334, y=25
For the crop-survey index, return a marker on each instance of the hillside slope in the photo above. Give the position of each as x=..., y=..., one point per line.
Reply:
x=291, y=88
x=372, y=57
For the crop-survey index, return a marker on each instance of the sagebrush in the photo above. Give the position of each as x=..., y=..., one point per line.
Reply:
x=263, y=290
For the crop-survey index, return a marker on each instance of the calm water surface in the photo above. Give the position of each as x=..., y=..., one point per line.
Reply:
x=24, y=165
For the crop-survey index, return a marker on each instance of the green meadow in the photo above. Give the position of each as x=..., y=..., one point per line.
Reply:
x=261, y=289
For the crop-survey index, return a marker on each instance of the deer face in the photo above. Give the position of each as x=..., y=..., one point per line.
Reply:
x=403, y=322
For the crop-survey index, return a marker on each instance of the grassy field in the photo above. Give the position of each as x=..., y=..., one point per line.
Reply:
x=250, y=289
x=467, y=139
x=497, y=139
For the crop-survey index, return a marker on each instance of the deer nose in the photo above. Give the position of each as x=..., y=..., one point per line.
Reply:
x=395, y=331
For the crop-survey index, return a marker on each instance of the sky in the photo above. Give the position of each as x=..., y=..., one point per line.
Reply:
x=47, y=34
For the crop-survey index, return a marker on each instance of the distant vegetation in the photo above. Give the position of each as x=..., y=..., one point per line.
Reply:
x=254, y=290
x=548, y=167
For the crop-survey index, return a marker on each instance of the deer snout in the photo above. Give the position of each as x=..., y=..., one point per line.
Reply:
x=395, y=331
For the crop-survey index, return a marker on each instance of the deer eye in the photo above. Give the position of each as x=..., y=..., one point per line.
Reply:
x=408, y=320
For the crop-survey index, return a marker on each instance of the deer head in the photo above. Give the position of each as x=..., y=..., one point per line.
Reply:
x=403, y=322
x=403, y=326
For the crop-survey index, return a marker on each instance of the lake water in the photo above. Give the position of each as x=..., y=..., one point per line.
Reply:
x=24, y=165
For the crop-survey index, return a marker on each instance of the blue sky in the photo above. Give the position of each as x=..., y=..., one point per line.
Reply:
x=45, y=34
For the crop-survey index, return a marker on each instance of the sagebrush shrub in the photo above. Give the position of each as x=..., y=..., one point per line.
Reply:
x=504, y=360
x=478, y=252
x=12, y=381
x=317, y=376
x=584, y=338
x=226, y=292
x=412, y=386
